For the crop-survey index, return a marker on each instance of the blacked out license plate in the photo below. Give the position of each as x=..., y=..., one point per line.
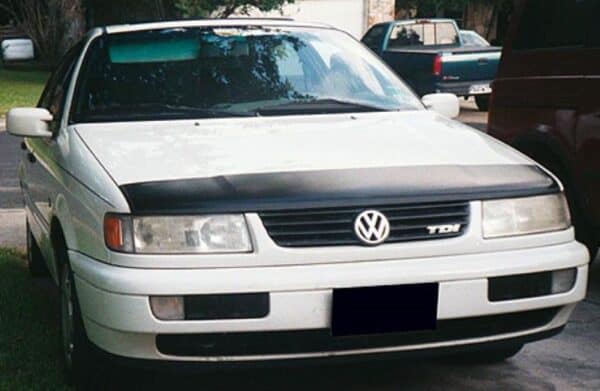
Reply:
x=384, y=309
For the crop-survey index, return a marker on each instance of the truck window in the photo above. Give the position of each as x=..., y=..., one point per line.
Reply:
x=374, y=37
x=423, y=34
x=446, y=34
x=547, y=24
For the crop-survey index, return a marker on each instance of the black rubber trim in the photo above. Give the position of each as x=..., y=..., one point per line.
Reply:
x=195, y=366
x=328, y=188
x=226, y=306
x=522, y=286
x=321, y=340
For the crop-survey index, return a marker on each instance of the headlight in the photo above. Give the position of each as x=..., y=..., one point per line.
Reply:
x=528, y=215
x=177, y=234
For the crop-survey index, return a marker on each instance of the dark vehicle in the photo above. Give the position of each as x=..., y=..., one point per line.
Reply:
x=430, y=55
x=545, y=101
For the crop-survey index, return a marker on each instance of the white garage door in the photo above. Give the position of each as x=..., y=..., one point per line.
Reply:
x=348, y=15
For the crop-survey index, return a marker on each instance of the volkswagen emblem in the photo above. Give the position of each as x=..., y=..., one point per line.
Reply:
x=372, y=227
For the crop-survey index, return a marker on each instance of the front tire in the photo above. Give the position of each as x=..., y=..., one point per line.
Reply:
x=483, y=102
x=82, y=368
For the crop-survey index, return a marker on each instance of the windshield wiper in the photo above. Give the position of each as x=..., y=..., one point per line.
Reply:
x=152, y=111
x=208, y=111
x=319, y=106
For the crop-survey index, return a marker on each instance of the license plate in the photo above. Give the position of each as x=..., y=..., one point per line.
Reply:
x=384, y=309
x=478, y=89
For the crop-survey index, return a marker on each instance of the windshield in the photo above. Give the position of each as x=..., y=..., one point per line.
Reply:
x=222, y=72
x=470, y=38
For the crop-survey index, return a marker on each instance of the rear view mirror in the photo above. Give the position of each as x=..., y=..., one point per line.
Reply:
x=28, y=122
x=444, y=104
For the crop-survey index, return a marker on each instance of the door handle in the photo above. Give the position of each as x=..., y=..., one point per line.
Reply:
x=31, y=157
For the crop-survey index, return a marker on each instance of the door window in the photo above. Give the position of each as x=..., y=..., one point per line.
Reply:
x=592, y=25
x=54, y=96
x=374, y=37
x=551, y=24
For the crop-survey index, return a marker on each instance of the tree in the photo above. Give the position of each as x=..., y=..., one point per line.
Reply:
x=224, y=8
x=479, y=15
x=430, y=8
x=437, y=8
x=53, y=25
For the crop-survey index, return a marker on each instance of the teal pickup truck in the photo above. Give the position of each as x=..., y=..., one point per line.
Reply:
x=430, y=56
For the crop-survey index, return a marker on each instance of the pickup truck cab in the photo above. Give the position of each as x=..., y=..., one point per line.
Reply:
x=430, y=55
x=226, y=191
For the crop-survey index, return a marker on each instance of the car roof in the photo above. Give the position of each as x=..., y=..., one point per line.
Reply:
x=229, y=22
x=430, y=20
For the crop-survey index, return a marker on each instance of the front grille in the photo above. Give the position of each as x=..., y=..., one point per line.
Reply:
x=335, y=226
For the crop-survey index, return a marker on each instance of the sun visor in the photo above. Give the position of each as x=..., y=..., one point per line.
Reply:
x=153, y=51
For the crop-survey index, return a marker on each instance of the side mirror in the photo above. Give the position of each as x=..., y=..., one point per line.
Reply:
x=28, y=122
x=444, y=104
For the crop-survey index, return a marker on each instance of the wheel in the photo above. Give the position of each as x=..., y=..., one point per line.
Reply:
x=83, y=368
x=489, y=355
x=35, y=261
x=483, y=102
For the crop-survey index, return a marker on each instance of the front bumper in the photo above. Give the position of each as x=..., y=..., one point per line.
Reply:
x=118, y=318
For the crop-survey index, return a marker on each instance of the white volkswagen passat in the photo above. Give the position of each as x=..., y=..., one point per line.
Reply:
x=255, y=190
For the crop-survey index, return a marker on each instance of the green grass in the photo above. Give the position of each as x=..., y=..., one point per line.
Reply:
x=20, y=88
x=29, y=338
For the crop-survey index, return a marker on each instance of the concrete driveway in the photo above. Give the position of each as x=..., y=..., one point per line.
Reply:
x=12, y=217
x=470, y=115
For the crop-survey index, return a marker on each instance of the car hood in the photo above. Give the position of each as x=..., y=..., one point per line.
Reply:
x=134, y=152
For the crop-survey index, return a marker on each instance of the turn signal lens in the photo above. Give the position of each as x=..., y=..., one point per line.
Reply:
x=118, y=232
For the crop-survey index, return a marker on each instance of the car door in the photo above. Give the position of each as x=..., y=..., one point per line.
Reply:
x=588, y=125
x=39, y=160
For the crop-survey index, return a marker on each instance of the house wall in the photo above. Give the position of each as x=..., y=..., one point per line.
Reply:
x=353, y=16
x=380, y=11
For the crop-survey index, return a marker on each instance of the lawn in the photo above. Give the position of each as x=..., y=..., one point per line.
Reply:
x=20, y=88
x=29, y=341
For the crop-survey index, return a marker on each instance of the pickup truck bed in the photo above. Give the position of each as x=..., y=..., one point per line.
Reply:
x=461, y=69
